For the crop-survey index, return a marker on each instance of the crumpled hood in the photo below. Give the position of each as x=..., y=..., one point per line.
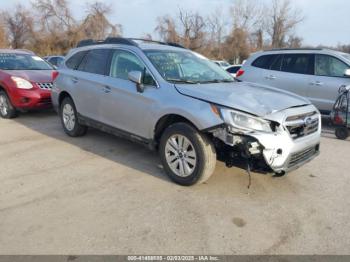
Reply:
x=37, y=76
x=251, y=98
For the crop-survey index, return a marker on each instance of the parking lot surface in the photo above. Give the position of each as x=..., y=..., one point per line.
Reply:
x=99, y=194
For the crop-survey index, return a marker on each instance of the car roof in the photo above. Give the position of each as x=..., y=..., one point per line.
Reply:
x=16, y=51
x=300, y=50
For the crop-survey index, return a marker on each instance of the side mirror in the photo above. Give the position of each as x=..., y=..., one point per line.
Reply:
x=347, y=72
x=136, y=77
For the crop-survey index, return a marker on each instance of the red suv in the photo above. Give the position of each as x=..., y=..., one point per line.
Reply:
x=25, y=82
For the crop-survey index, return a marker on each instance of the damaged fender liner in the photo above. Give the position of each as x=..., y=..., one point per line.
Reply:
x=238, y=150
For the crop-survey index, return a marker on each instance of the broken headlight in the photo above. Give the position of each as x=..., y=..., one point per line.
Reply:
x=239, y=121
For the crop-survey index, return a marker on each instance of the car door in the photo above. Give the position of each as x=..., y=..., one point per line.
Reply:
x=124, y=107
x=260, y=70
x=324, y=85
x=294, y=74
x=89, y=81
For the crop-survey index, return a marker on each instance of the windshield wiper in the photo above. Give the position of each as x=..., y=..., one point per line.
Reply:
x=183, y=81
x=217, y=81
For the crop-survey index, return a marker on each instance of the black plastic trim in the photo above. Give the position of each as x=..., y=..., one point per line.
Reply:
x=115, y=131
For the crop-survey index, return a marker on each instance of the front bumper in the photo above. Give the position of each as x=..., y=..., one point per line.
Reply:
x=283, y=154
x=31, y=99
x=278, y=152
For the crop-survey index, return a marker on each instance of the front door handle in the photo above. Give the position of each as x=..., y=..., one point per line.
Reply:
x=107, y=89
x=316, y=83
x=271, y=77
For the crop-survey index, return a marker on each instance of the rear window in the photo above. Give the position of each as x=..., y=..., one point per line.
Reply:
x=298, y=64
x=95, y=62
x=264, y=61
x=74, y=61
x=233, y=70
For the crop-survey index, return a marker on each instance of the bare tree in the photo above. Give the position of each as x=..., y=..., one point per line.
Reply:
x=19, y=26
x=166, y=29
x=216, y=24
x=281, y=21
x=56, y=29
x=96, y=24
x=54, y=15
x=3, y=37
x=188, y=29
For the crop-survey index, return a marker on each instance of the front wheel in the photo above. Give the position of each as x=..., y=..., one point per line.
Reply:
x=188, y=157
x=6, y=108
x=69, y=119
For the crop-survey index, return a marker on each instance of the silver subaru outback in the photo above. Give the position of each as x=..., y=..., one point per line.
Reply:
x=183, y=105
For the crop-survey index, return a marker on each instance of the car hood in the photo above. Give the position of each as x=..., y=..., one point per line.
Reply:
x=36, y=76
x=251, y=98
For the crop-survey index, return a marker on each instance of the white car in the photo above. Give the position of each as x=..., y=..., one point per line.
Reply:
x=233, y=69
x=222, y=63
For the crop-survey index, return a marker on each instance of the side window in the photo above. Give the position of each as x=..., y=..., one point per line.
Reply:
x=326, y=65
x=74, y=61
x=277, y=63
x=123, y=62
x=53, y=60
x=95, y=61
x=298, y=63
x=264, y=61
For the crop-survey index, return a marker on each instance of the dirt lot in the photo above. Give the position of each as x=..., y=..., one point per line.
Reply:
x=103, y=195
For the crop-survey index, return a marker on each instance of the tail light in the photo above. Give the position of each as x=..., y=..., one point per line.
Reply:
x=338, y=120
x=54, y=75
x=240, y=72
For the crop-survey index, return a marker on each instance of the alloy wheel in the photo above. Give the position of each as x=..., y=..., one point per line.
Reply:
x=180, y=155
x=4, y=107
x=68, y=117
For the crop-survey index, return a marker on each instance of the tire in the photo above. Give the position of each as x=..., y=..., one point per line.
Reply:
x=69, y=119
x=194, y=162
x=7, y=110
x=342, y=133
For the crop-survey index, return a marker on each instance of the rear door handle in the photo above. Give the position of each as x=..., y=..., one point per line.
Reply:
x=75, y=80
x=106, y=89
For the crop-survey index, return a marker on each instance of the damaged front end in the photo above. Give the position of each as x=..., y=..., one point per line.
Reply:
x=267, y=145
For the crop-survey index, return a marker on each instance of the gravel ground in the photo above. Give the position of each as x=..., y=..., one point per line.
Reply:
x=103, y=195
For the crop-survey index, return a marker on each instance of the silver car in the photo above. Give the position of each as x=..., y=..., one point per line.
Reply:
x=315, y=74
x=180, y=103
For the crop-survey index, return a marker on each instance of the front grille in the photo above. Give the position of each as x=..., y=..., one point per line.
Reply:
x=302, y=156
x=45, y=86
x=302, y=125
x=45, y=101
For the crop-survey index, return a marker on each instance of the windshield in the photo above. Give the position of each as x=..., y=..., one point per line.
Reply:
x=187, y=67
x=10, y=61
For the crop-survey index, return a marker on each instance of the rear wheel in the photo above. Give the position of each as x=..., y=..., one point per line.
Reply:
x=6, y=108
x=69, y=119
x=188, y=157
x=342, y=132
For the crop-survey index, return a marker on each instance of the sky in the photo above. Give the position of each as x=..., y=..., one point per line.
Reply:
x=327, y=22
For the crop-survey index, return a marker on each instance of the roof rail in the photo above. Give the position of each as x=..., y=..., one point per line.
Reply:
x=120, y=40
x=123, y=41
x=292, y=49
x=157, y=42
